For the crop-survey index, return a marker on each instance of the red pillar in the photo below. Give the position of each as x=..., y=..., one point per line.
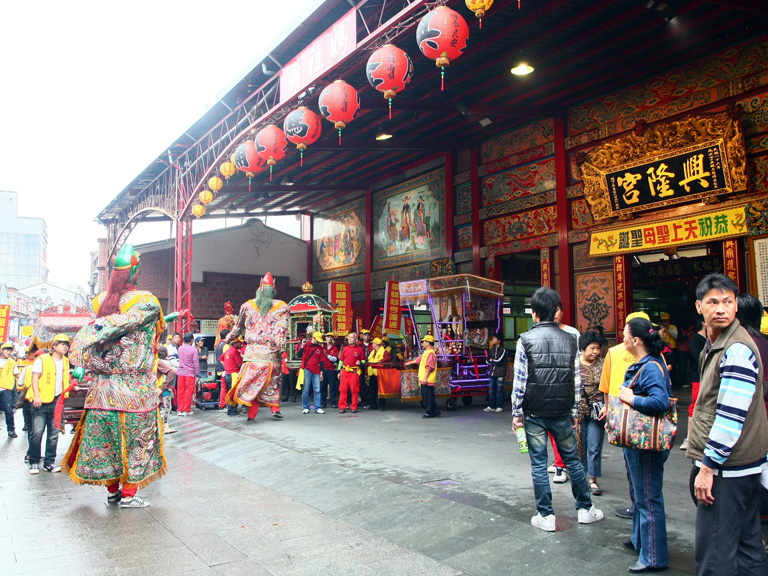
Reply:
x=564, y=250
x=183, y=272
x=368, y=255
x=477, y=233
x=449, y=205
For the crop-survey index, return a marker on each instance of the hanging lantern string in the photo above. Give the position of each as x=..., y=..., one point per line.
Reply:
x=390, y=108
x=250, y=179
x=481, y=18
x=339, y=136
x=270, y=172
x=301, y=154
x=442, y=78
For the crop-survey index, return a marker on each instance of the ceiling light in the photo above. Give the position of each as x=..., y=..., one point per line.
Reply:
x=485, y=122
x=383, y=134
x=286, y=181
x=522, y=69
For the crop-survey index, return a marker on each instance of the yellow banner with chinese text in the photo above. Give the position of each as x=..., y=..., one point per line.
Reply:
x=339, y=294
x=392, y=310
x=691, y=229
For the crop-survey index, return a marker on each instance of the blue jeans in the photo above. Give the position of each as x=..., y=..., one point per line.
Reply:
x=592, y=435
x=536, y=429
x=496, y=392
x=6, y=405
x=42, y=419
x=313, y=380
x=649, y=525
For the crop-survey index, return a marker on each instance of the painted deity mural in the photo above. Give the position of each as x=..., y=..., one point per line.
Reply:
x=409, y=221
x=338, y=241
x=594, y=300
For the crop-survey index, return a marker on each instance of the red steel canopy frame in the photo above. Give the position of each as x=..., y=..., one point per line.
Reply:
x=580, y=49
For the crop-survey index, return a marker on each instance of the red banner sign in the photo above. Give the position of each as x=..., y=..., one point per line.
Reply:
x=376, y=327
x=339, y=295
x=326, y=51
x=5, y=321
x=392, y=310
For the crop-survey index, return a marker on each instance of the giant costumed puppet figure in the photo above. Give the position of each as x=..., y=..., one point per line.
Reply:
x=118, y=442
x=264, y=323
x=225, y=322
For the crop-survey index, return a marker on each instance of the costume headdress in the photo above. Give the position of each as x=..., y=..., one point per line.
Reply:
x=127, y=259
x=228, y=308
x=267, y=280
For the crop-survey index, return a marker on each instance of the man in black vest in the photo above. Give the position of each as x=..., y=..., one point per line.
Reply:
x=544, y=400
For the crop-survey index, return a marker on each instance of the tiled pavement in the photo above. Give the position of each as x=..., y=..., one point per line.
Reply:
x=379, y=493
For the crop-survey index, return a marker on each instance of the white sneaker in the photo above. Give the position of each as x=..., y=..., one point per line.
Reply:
x=488, y=409
x=552, y=469
x=546, y=523
x=499, y=410
x=134, y=502
x=684, y=445
x=34, y=469
x=305, y=411
x=591, y=515
x=319, y=411
x=561, y=476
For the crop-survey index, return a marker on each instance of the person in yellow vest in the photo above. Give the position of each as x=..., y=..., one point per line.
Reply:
x=427, y=375
x=378, y=355
x=24, y=387
x=8, y=373
x=50, y=378
x=615, y=366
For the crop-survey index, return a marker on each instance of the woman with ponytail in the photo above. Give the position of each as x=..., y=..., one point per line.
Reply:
x=647, y=388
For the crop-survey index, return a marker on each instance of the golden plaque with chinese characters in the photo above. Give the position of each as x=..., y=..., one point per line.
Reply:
x=695, y=158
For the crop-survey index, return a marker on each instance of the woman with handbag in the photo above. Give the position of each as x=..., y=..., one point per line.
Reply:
x=590, y=431
x=647, y=390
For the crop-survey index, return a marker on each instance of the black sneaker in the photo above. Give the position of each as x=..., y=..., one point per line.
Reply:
x=625, y=513
x=52, y=468
x=115, y=497
x=277, y=415
x=12, y=435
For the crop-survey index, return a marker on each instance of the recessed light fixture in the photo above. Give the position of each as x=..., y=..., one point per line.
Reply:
x=522, y=69
x=383, y=134
x=287, y=181
x=485, y=122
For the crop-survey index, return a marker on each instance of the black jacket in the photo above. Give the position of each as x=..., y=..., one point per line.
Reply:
x=498, y=359
x=550, y=391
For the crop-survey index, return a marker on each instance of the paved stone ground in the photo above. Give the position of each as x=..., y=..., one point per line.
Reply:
x=373, y=493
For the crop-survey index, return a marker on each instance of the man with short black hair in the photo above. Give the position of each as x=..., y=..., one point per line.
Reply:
x=173, y=350
x=545, y=400
x=498, y=359
x=728, y=438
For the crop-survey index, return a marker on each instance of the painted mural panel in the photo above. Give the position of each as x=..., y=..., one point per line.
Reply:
x=710, y=79
x=594, y=300
x=409, y=221
x=523, y=225
x=464, y=198
x=518, y=158
x=518, y=182
x=338, y=241
x=529, y=136
x=518, y=205
x=464, y=237
x=582, y=259
x=581, y=215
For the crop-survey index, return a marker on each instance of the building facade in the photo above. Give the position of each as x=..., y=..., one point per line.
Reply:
x=23, y=245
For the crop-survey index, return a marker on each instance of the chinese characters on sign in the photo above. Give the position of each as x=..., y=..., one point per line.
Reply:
x=620, y=279
x=731, y=260
x=5, y=321
x=686, y=175
x=392, y=310
x=326, y=51
x=339, y=295
x=693, y=229
x=376, y=327
x=760, y=258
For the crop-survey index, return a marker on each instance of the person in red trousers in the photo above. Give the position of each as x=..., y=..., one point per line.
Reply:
x=187, y=375
x=232, y=360
x=352, y=357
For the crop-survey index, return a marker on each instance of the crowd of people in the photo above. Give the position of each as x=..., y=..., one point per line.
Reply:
x=566, y=386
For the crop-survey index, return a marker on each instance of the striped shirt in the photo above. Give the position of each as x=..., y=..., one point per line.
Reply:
x=738, y=377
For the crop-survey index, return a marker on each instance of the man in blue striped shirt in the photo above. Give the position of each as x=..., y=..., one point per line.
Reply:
x=728, y=438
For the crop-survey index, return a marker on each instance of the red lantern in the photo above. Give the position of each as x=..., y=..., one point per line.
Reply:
x=302, y=127
x=271, y=145
x=248, y=160
x=339, y=103
x=389, y=69
x=442, y=36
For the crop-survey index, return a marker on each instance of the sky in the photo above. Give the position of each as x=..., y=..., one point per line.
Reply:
x=92, y=92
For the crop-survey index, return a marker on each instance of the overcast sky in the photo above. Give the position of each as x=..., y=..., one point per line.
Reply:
x=92, y=92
